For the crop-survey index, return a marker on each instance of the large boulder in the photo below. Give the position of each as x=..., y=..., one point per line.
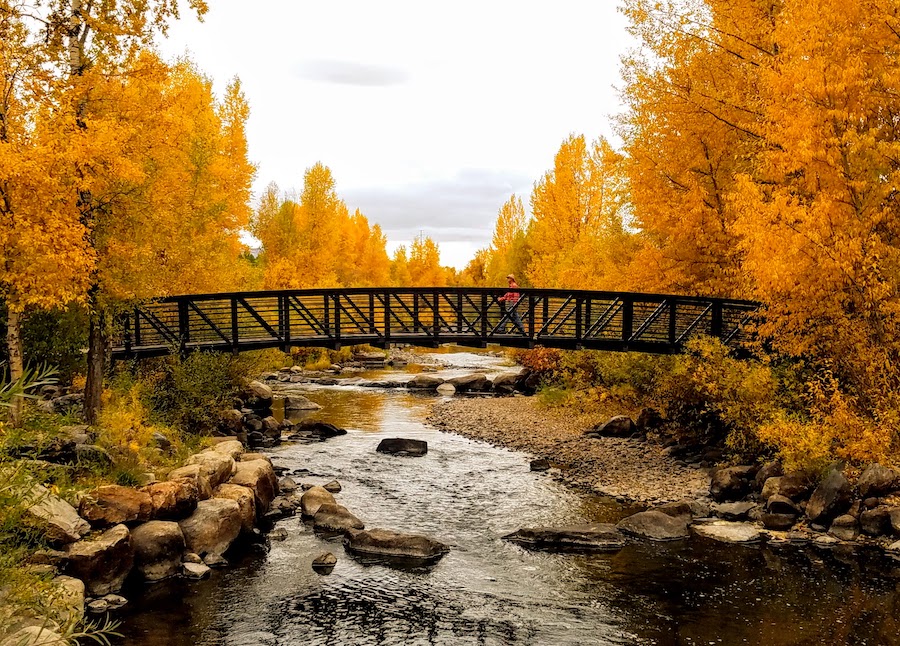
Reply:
x=791, y=486
x=102, y=562
x=768, y=470
x=402, y=446
x=831, y=498
x=194, y=472
x=877, y=480
x=600, y=537
x=260, y=477
x=158, y=546
x=730, y=483
x=424, y=382
x=654, y=525
x=387, y=544
x=317, y=430
x=232, y=448
x=335, y=518
x=173, y=499
x=260, y=390
x=728, y=532
x=732, y=510
x=55, y=519
x=845, y=528
x=112, y=504
x=313, y=498
x=469, y=383
x=779, y=504
x=505, y=384
x=618, y=426
x=216, y=466
x=299, y=402
x=213, y=526
x=876, y=522
x=245, y=499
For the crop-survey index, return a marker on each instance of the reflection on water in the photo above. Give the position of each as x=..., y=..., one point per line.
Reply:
x=487, y=591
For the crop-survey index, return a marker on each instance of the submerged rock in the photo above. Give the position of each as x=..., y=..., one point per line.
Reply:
x=655, y=525
x=324, y=563
x=728, y=532
x=299, y=402
x=389, y=545
x=403, y=446
x=335, y=518
x=601, y=537
x=313, y=498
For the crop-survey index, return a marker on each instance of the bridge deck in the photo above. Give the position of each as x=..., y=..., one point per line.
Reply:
x=427, y=316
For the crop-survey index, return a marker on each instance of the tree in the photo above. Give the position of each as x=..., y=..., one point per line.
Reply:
x=508, y=253
x=425, y=264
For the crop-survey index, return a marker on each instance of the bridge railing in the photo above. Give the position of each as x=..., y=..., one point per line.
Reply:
x=427, y=316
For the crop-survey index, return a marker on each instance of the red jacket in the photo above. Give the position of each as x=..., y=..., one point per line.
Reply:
x=512, y=296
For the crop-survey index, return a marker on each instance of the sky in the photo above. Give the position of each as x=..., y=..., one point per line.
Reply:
x=429, y=114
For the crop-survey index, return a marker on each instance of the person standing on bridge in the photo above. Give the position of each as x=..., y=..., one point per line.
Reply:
x=508, y=302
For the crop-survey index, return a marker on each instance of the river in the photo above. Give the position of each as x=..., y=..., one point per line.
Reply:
x=487, y=591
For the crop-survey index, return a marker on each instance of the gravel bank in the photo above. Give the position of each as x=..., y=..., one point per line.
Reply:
x=626, y=469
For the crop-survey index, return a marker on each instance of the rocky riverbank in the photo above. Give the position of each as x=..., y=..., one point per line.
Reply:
x=624, y=468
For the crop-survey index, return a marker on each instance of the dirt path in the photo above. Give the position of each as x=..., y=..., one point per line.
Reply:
x=627, y=469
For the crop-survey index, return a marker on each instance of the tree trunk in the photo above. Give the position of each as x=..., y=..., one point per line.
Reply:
x=16, y=368
x=96, y=364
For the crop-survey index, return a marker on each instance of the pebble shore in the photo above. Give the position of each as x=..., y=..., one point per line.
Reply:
x=627, y=469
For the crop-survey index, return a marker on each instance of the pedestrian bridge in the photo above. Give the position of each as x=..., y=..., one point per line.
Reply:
x=653, y=323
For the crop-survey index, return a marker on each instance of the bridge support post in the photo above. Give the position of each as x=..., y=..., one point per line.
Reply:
x=235, y=335
x=673, y=320
x=184, y=327
x=387, y=319
x=627, y=318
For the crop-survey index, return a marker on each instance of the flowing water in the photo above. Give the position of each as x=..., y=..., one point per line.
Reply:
x=487, y=591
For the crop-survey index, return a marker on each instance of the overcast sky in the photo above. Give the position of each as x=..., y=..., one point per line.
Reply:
x=429, y=114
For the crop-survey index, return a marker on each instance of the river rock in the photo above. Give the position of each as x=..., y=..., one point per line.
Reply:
x=335, y=518
x=259, y=476
x=216, y=466
x=539, y=464
x=260, y=390
x=618, y=426
x=195, y=473
x=233, y=448
x=830, y=499
x=158, y=546
x=287, y=485
x=403, y=446
x=779, y=504
x=111, y=504
x=791, y=486
x=389, y=544
x=213, y=526
x=875, y=522
x=845, y=527
x=877, y=480
x=728, y=532
x=654, y=525
x=730, y=483
x=470, y=383
x=299, y=402
x=102, y=562
x=313, y=498
x=505, y=384
x=318, y=430
x=679, y=509
x=778, y=522
x=600, y=537
x=446, y=389
x=424, y=382
x=195, y=571
x=33, y=636
x=245, y=499
x=68, y=602
x=768, y=470
x=732, y=510
x=334, y=486
x=173, y=499
x=324, y=563
x=53, y=517
x=215, y=561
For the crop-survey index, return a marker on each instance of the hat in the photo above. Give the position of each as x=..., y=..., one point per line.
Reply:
x=510, y=276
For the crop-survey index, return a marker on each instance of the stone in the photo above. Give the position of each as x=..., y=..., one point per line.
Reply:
x=424, y=382
x=195, y=473
x=313, y=498
x=319, y=430
x=539, y=464
x=278, y=534
x=195, y=571
x=600, y=537
x=69, y=599
x=403, y=446
x=467, y=383
x=162, y=442
x=158, y=546
x=446, y=389
x=895, y=520
x=732, y=510
x=505, y=384
x=215, y=560
x=875, y=522
x=215, y=466
x=387, y=544
x=831, y=498
x=768, y=470
x=679, y=509
x=649, y=419
x=213, y=526
x=79, y=434
x=250, y=457
x=230, y=447
x=190, y=557
x=102, y=562
x=335, y=518
x=299, y=402
x=53, y=517
x=281, y=507
x=728, y=532
x=730, y=483
x=115, y=601
x=259, y=477
x=334, y=486
x=777, y=521
x=793, y=486
x=877, y=480
x=287, y=485
x=845, y=528
x=233, y=420
x=324, y=563
x=98, y=606
x=779, y=504
x=618, y=426
x=34, y=636
x=260, y=390
x=173, y=499
x=655, y=526
x=111, y=504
